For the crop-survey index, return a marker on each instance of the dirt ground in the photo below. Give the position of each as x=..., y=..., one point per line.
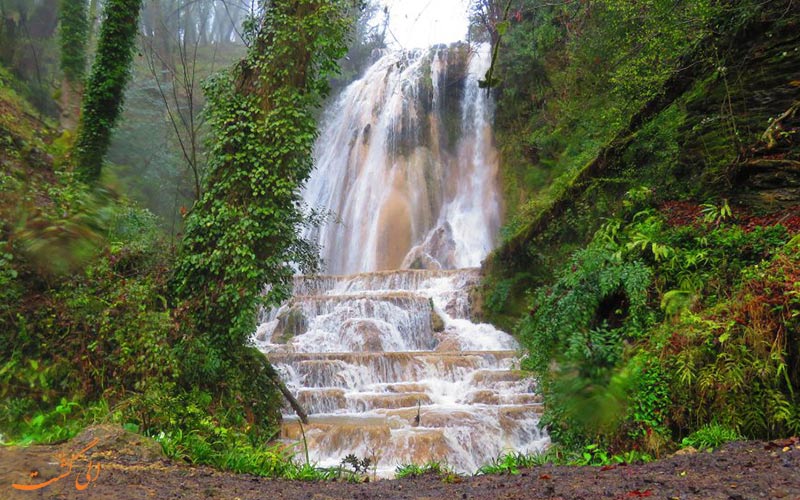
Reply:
x=103, y=463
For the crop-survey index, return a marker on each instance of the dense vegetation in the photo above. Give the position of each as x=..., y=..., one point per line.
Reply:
x=102, y=319
x=244, y=232
x=650, y=264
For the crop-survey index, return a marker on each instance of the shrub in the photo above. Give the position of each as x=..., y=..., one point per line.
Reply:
x=711, y=436
x=575, y=334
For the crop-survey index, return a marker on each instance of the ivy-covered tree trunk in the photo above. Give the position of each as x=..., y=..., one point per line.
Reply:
x=73, y=38
x=243, y=233
x=102, y=102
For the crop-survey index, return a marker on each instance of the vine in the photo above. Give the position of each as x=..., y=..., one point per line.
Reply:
x=102, y=103
x=244, y=231
x=73, y=37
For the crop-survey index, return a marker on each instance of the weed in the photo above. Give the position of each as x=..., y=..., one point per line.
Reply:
x=711, y=436
x=413, y=470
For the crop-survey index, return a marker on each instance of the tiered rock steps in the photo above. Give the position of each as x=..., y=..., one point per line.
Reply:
x=423, y=399
x=404, y=279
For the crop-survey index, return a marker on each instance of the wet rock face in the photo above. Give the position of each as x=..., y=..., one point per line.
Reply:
x=744, y=126
x=366, y=334
x=768, y=174
x=436, y=252
x=771, y=184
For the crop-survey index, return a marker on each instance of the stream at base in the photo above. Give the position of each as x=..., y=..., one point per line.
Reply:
x=389, y=367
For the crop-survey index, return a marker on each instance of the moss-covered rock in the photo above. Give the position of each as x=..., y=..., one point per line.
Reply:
x=291, y=323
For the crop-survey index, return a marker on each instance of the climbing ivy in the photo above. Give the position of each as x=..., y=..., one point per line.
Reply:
x=105, y=89
x=73, y=37
x=244, y=232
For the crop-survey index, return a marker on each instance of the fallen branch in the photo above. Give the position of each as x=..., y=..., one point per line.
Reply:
x=771, y=163
x=296, y=406
x=777, y=126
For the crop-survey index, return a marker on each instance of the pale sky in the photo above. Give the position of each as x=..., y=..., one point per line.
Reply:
x=422, y=23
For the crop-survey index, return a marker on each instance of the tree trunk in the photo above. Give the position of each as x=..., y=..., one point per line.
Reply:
x=105, y=89
x=74, y=37
x=71, y=94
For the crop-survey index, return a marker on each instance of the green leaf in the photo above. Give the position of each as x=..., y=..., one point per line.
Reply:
x=502, y=28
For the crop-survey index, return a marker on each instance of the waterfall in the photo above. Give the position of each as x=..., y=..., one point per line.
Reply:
x=381, y=352
x=406, y=162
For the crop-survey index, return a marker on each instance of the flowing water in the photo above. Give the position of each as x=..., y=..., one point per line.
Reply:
x=384, y=358
x=406, y=162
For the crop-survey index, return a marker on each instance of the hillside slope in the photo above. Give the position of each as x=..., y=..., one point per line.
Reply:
x=651, y=263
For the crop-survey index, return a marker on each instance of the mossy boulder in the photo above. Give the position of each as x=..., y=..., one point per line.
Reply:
x=291, y=323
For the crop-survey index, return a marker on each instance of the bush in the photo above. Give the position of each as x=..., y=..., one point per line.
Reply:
x=575, y=336
x=620, y=371
x=711, y=436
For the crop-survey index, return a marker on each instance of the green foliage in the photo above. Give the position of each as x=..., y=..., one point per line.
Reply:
x=597, y=289
x=575, y=74
x=229, y=450
x=654, y=35
x=51, y=426
x=354, y=469
x=412, y=470
x=209, y=443
x=734, y=364
x=639, y=339
x=649, y=403
x=510, y=463
x=73, y=37
x=574, y=336
x=103, y=98
x=244, y=232
x=358, y=465
x=84, y=311
x=498, y=296
x=597, y=456
x=88, y=330
x=590, y=454
x=608, y=112
x=711, y=435
x=9, y=287
x=105, y=318
x=715, y=214
x=61, y=238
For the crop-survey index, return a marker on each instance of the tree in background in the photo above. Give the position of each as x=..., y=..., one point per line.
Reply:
x=484, y=18
x=173, y=63
x=244, y=231
x=74, y=37
x=27, y=48
x=165, y=103
x=103, y=99
x=370, y=23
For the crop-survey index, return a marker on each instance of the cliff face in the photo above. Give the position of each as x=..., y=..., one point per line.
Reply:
x=724, y=125
x=764, y=101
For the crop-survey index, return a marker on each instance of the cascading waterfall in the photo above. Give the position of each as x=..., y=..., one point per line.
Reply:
x=406, y=162
x=386, y=361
